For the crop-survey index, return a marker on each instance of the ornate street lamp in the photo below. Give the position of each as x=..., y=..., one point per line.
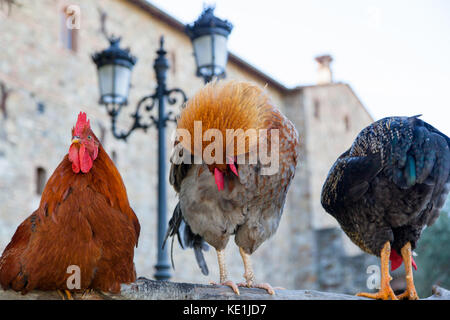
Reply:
x=114, y=67
x=209, y=36
x=114, y=73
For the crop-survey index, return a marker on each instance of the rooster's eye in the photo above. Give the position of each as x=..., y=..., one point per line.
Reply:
x=89, y=137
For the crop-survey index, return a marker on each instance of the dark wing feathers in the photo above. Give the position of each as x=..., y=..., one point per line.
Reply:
x=177, y=173
x=431, y=152
x=412, y=151
x=407, y=150
x=359, y=172
x=349, y=179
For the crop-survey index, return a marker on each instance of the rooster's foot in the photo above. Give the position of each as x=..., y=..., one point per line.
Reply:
x=409, y=295
x=264, y=286
x=383, y=294
x=87, y=293
x=410, y=292
x=65, y=294
x=386, y=291
x=228, y=283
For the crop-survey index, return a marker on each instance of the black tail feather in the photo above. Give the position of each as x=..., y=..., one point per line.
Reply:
x=196, y=242
x=186, y=239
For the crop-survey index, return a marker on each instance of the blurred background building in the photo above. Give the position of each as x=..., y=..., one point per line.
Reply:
x=47, y=76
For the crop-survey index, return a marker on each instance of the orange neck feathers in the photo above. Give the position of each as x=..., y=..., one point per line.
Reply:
x=223, y=106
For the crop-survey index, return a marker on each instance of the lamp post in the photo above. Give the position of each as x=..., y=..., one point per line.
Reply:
x=209, y=37
x=114, y=66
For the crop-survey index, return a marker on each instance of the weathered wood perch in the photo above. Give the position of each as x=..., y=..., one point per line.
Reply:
x=145, y=289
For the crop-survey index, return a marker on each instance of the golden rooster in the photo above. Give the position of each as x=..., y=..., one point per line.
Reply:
x=83, y=220
x=224, y=184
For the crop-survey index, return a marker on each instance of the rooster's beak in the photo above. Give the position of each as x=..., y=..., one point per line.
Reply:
x=75, y=140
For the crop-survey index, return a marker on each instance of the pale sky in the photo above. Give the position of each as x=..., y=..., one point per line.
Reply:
x=394, y=54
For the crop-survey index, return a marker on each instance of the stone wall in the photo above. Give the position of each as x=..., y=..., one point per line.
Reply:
x=51, y=84
x=334, y=117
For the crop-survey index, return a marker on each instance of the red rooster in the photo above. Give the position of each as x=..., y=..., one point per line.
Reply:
x=225, y=197
x=83, y=220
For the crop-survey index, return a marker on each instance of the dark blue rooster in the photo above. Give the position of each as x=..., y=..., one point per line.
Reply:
x=386, y=188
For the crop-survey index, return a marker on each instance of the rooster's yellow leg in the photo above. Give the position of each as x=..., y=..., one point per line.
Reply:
x=250, y=276
x=410, y=292
x=87, y=293
x=68, y=294
x=223, y=272
x=386, y=291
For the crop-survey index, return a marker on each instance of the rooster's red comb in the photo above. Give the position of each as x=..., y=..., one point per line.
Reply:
x=82, y=123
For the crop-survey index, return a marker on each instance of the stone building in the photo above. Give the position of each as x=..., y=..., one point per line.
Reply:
x=47, y=77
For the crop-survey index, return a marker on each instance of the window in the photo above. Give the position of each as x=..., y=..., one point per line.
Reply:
x=316, y=109
x=173, y=65
x=114, y=157
x=41, y=179
x=347, y=123
x=102, y=133
x=70, y=25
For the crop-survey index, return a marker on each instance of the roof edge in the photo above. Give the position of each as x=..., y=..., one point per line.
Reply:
x=349, y=87
x=179, y=26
